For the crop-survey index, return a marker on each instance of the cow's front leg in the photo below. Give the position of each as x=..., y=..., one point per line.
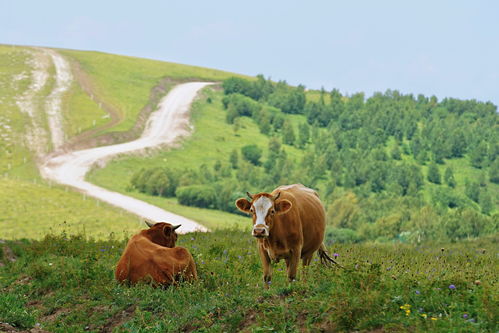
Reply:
x=292, y=264
x=267, y=266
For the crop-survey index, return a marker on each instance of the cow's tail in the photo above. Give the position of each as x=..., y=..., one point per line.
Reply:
x=325, y=258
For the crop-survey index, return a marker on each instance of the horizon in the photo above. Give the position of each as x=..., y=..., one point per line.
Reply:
x=446, y=49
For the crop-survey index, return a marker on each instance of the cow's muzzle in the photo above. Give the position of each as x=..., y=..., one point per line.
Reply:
x=260, y=231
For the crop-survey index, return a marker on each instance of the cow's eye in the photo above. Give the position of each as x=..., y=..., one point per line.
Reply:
x=272, y=211
x=252, y=210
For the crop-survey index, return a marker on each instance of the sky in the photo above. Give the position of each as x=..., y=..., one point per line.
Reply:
x=442, y=48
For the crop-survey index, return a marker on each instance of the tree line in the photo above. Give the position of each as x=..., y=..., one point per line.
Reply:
x=387, y=167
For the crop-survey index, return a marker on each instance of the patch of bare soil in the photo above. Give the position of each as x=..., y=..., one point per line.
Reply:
x=248, y=321
x=119, y=319
x=54, y=315
x=8, y=254
x=4, y=327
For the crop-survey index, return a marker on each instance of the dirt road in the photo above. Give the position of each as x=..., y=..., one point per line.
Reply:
x=164, y=127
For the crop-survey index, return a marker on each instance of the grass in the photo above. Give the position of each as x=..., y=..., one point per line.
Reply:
x=128, y=90
x=81, y=112
x=13, y=151
x=67, y=284
x=211, y=139
x=32, y=210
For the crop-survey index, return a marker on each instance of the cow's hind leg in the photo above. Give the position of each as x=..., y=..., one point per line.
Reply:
x=306, y=259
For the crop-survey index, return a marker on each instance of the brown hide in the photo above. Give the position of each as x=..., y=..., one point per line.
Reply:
x=152, y=256
x=293, y=235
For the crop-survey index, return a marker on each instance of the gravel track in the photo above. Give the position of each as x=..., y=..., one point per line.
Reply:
x=164, y=127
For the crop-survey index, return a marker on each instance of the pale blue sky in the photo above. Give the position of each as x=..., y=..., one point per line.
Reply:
x=442, y=48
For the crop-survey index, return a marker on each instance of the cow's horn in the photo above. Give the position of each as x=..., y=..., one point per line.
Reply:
x=249, y=195
x=277, y=196
x=176, y=227
x=149, y=224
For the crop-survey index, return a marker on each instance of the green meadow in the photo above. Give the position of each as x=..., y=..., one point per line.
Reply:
x=66, y=284
x=59, y=248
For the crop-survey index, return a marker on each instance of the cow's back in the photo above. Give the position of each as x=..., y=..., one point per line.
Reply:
x=307, y=214
x=143, y=260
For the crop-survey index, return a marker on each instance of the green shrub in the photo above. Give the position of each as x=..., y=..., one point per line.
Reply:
x=203, y=196
x=252, y=154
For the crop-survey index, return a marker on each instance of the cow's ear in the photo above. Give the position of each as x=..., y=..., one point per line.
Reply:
x=243, y=205
x=283, y=206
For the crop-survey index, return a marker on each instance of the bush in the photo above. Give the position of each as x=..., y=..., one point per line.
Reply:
x=156, y=181
x=341, y=235
x=203, y=196
x=237, y=85
x=238, y=105
x=252, y=153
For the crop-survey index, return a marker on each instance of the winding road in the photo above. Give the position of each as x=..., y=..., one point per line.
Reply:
x=164, y=127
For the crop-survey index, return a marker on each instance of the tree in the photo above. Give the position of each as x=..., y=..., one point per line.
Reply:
x=237, y=85
x=434, y=174
x=449, y=177
x=288, y=133
x=494, y=171
x=303, y=135
x=344, y=212
x=479, y=155
x=264, y=124
x=252, y=154
x=395, y=152
x=485, y=201
x=472, y=190
x=234, y=158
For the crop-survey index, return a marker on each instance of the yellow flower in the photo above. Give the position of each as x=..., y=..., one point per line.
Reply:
x=407, y=312
x=405, y=307
x=424, y=315
x=434, y=318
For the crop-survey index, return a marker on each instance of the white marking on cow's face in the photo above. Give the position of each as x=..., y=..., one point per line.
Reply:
x=261, y=207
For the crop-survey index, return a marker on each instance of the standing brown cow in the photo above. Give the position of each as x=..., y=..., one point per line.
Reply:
x=289, y=224
x=151, y=255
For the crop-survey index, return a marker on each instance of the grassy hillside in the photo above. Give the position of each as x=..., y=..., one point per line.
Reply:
x=125, y=83
x=62, y=285
x=30, y=207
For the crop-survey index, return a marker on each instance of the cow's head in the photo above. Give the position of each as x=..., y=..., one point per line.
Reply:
x=263, y=207
x=162, y=233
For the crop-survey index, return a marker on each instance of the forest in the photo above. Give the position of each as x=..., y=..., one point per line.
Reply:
x=388, y=167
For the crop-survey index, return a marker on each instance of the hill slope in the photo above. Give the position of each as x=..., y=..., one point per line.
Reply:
x=29, y=81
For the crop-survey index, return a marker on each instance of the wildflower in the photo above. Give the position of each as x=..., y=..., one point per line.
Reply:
x=452, y=287
x=478, y=282
x=336, y=255
x=434, y=318
x=50, y=264
x=472, y=320
x=418, y=292
x=405, y=307
x=407, y=312
x=424, y=315
x=465, y=315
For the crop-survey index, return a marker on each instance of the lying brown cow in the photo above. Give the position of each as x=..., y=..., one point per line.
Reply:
x=289, y=224
x=151, y=255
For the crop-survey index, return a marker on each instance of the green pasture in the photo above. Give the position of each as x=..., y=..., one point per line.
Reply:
x=32, y=210
x=126, y=82
x=63, y=284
